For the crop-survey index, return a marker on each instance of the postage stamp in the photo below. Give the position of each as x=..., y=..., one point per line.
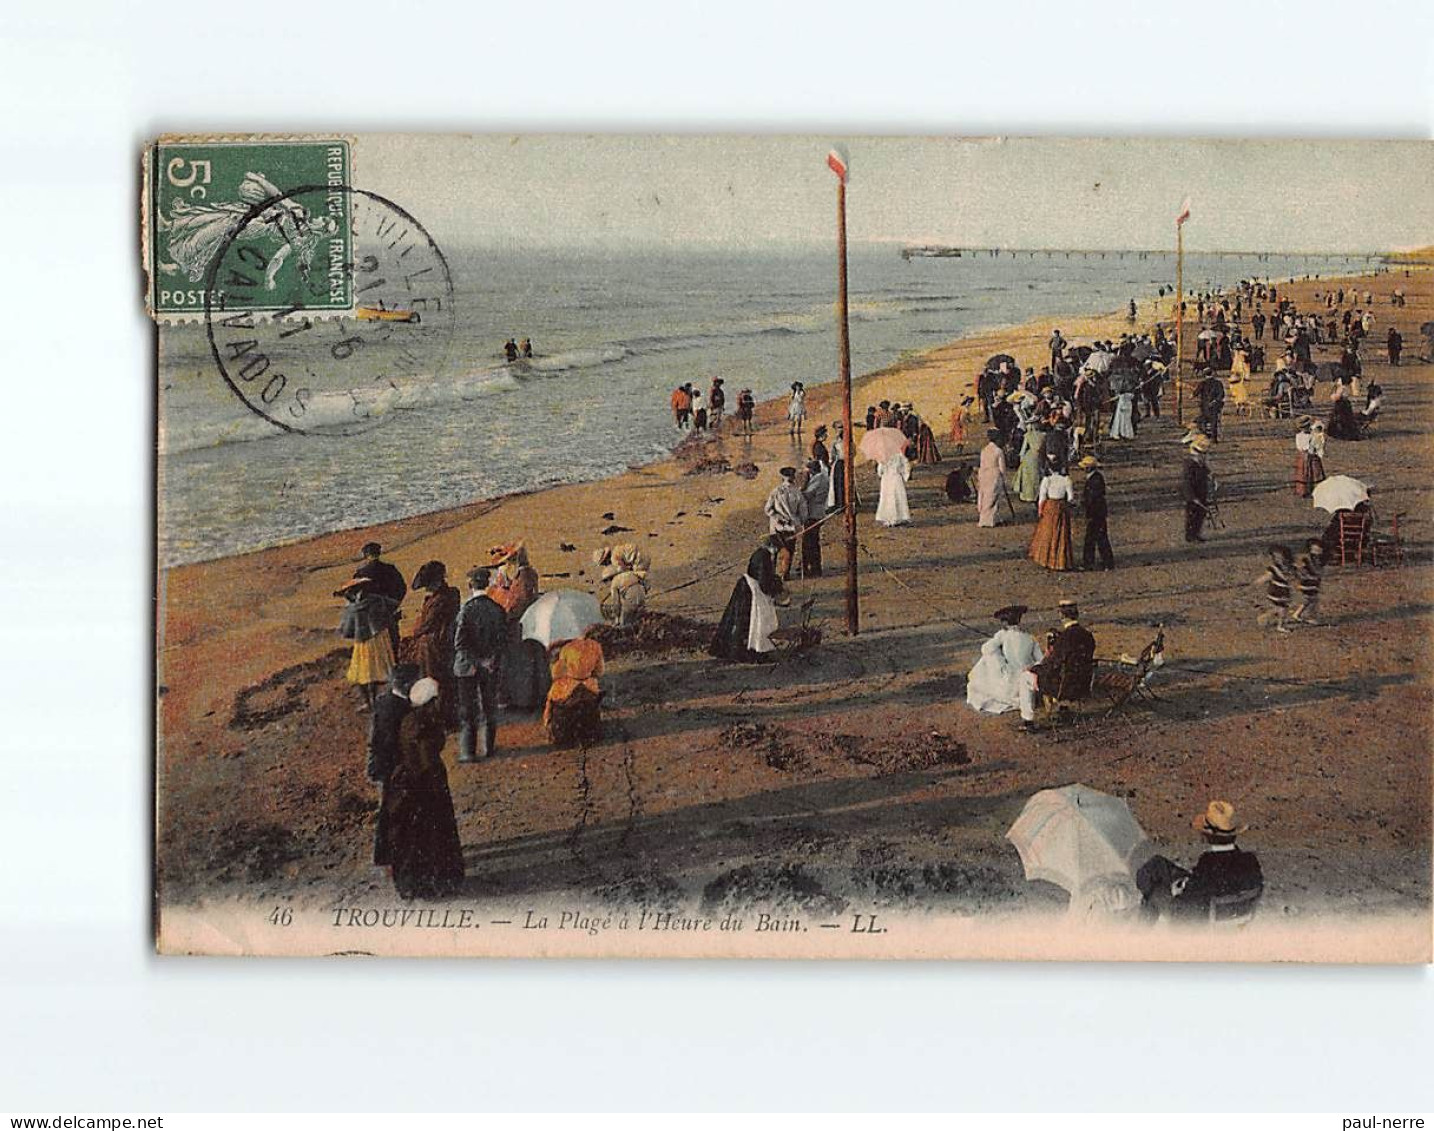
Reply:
x=205, y=195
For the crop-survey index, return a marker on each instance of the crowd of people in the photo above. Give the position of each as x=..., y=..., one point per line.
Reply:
x=1048, y=429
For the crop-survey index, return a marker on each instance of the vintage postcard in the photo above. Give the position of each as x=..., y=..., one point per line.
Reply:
x=792, y=547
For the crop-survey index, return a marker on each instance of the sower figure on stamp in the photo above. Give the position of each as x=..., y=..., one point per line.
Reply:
x=479, y=637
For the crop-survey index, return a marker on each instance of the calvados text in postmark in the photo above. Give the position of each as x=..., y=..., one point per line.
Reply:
x=308, y=366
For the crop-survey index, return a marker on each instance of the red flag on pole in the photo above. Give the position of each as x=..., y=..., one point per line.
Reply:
x=1184, y=213
x=836, y=161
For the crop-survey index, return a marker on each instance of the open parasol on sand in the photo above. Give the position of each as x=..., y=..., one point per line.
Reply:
x=1340, y=493
x=880, y=444
x=563, y=614
x=1075, y=835
x=994, y=363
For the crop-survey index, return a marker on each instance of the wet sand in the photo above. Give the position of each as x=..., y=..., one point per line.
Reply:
x=853, y=775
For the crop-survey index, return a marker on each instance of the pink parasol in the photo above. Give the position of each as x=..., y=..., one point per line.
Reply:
x=880, y=444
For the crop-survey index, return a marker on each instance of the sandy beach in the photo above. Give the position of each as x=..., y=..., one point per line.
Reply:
x=854, y=773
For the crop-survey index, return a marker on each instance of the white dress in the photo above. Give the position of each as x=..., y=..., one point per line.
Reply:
x=995, y=685
x=892, y=508
x=1122, y=427
x=797, y=410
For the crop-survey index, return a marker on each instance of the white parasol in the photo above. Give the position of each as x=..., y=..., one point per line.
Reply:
x=563, y=614
x=1340, y=493
x=1099, y=362
x=880, y=444
x=1074, y=836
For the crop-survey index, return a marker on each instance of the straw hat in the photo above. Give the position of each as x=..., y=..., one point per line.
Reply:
x=497, y=555
x=1304, y=422
x=1088, y=462
x=1218, y=818
x=1016, y=397
x=1200, y=444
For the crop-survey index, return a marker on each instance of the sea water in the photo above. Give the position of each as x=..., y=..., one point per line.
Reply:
x=613, y=334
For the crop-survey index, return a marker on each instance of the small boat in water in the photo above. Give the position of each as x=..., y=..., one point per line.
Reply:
x=383, y=314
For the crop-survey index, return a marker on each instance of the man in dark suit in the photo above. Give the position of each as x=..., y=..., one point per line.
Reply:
x=386, y=581
x=1066, y=671
x=1226, y=882
x=1092, y=502
x=480, y=636
x=1195, y=489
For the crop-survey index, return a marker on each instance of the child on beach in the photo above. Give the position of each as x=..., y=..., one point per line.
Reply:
x=1309, y=574
x=797, y=410
x=1277, y=579
x=746, y=407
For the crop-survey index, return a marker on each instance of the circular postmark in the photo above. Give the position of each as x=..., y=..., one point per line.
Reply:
x=328, y=307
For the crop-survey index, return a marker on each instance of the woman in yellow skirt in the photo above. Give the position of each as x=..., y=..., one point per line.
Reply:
x=365, y=621
x=1051, y=543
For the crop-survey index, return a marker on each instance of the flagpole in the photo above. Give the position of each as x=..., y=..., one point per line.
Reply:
x=849, y=438
x=1179, y=321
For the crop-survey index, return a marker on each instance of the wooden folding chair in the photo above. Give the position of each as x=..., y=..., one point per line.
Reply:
x=1384, y=548
x=1132, y=681
x=1353, y=537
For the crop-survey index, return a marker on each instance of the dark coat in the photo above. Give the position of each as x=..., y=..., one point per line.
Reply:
x=1066, y=671
x=480, y=635
x=730, y=642
x=1195, y=481
x=417, y=833
x=388, y=713
x=386, y=580
x=1221, y=873
x=1092, y=497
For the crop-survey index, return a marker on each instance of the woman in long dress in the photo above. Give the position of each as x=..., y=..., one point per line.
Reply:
x=891, y=507
x=990, y=478
x=1303, y=484
x=744, y=633
x=1342, y=424
x=1028, y=474
x=797, y=409
x=417, y=835
x=430, y=644
x=573, y=713
x=365, y=621
x=1051, y=543
x=1122, y=421
x=993, y=685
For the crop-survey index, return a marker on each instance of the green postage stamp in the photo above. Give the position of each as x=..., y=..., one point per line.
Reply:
x=245, y=225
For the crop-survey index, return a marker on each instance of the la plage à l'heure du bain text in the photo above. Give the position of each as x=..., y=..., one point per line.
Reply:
x=467, y=918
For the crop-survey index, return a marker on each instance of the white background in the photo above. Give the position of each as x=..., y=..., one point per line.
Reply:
x=91, y=1021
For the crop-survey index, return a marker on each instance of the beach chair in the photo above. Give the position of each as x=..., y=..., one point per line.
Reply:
x=1354, y=530
x=1124, y=682
x=1235, y=909
x=1387, y=547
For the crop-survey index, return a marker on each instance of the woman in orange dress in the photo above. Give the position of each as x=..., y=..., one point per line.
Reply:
x=573, y=713
x=1051, y=543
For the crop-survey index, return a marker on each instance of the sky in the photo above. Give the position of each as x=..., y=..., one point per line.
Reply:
x=743, y=191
